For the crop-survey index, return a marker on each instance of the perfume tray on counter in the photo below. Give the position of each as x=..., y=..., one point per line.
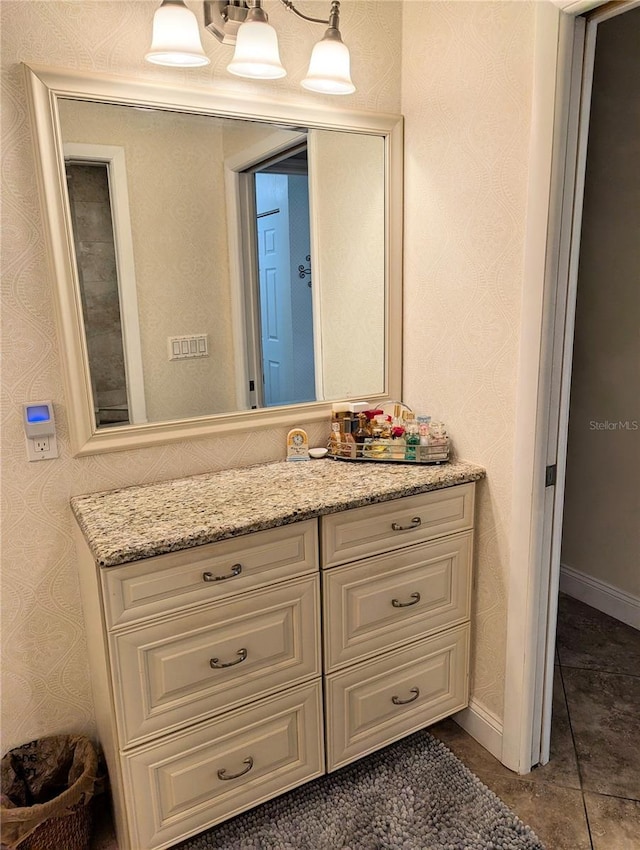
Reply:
x=391, y=452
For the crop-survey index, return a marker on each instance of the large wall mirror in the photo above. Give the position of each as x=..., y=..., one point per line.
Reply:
x=219, y=264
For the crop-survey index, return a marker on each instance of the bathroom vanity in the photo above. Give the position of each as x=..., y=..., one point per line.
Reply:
x=252, y=629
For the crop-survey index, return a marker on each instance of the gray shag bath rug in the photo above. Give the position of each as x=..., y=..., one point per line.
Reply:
x=413, y=795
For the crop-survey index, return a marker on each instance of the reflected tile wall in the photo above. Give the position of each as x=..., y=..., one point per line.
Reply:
x=90, y=204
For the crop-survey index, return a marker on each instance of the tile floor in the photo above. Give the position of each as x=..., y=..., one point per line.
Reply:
x=588, y=796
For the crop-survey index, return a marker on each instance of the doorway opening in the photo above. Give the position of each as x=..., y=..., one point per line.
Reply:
x=529, y=726
x=600, y=535
x=282, y=246
x=562, y=95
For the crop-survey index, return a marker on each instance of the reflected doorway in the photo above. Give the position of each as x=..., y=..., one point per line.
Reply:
x=283, y=254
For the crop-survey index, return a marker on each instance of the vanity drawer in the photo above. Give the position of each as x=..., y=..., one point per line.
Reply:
x=213, y=659
x=206, y=573
x=374, y=703
x=359, y=532
x=380, y=603
x=175, y=788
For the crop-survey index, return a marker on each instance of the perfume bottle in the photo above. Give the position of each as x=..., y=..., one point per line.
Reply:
x=334, y=439
x=349, y=446
x=438, y=434
x=412, y=440
x=423, y=429
x=363, y=431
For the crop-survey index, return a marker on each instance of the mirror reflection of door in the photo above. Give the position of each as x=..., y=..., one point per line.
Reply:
x=284, y=287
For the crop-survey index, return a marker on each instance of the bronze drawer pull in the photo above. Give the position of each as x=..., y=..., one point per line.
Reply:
x=414, y=596
x=222, y=773
x=217, y=664
x=415, y=522
x=398, y=701
x=236, y=569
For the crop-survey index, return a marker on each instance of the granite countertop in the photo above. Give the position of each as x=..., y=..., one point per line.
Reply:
x=139, y=522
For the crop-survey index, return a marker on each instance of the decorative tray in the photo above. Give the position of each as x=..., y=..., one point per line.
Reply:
x=378, y=451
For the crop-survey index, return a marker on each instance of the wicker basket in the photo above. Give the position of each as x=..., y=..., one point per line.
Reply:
x=69, y=832
x=48, y=787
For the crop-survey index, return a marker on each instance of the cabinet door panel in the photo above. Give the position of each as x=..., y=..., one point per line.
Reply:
x=192, y=780
x=204, y=574
x=215, y=658
x=380, y=603
x=374, y=703
x=373, y=529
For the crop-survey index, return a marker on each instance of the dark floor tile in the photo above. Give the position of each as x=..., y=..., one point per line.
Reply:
x=468, y=750
x=614, y=823
x=589, y=639
x=554, y=813
x=603, y=709
x=562, y=768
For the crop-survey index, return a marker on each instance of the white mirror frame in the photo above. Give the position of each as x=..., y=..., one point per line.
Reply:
x=44, y=87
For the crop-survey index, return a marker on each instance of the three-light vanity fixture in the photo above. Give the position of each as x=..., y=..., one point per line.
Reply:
x=176, y=42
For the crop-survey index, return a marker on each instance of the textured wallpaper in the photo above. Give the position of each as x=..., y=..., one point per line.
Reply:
x=466, y=97
x=45, y=683
x=466, y=78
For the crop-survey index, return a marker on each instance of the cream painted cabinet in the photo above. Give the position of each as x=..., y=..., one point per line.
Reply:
x=396, y=585
x=207, y=663
x=206, y=670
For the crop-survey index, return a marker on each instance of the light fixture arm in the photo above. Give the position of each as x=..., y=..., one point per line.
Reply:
x=334, y=14
x=245, y=24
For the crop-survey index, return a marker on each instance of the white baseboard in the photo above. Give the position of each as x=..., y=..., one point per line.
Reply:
x=601, y=595
x=482, y=725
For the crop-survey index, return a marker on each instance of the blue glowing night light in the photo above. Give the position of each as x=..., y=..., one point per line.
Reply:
x=38, y=413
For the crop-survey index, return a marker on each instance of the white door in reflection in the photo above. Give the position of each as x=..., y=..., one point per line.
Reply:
x=286, y=318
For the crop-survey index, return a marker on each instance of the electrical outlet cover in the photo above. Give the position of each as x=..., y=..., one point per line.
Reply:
x=42, y=448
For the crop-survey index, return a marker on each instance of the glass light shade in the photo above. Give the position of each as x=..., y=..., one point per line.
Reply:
x=329, y=68
x=256, y=55
x=176, y=39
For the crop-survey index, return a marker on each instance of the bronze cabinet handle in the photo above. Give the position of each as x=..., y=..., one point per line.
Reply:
x=398, y=701
x=236, y=569
x=218, y=665
x=415, y=522
x=222, y=773
x=415, y=597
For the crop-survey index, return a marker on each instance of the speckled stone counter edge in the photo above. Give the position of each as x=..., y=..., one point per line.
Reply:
x=141, y=522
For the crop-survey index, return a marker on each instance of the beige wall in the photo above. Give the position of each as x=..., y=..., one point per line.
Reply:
x=466, y=97
x=466, y=79
x=348, y=245
x=601, y=533
x=174, y=165
x=44, y=665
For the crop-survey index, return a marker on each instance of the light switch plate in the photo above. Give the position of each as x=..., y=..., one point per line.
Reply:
x=188, y=346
